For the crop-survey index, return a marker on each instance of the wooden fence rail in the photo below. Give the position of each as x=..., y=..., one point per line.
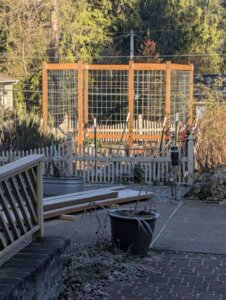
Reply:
x=21, y=210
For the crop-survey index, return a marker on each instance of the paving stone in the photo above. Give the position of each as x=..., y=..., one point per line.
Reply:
x=189, y=297
x=170, y=297
x=164, y=290
x=210, y=277
x=158, y=279
x=220, y=289
x=222, y=277
x=187, y=271
x=202, y=287
x=219, y=270
x=181, y=289
x=193, y=280
x=209, y=297
x=175, y=280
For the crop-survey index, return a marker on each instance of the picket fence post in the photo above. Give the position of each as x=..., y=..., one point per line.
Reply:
x=190, y=159
x=69, y=152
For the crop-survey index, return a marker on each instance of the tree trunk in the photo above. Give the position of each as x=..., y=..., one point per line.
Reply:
x=54, y=43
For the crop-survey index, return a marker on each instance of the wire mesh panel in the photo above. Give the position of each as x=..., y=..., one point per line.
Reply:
x=108, y=96
x=63, y=99
x=149, y=95
x=76, y=93
x=180, y=93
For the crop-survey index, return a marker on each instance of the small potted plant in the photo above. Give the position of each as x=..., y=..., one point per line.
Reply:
x=132, y=228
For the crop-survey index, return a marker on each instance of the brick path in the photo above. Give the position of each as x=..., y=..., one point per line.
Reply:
x=176, y=276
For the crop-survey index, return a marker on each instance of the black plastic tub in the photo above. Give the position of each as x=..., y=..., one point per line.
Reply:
x=133, y=232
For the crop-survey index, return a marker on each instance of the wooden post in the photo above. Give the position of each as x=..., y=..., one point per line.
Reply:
x=190, y=159
x=95, y=145
x=168, y=93
x=44, y=95
x=191, y=90
x=70, y=153
x=80, y=105
x=86, y=101
x=140, y=124
x=131, y=101
x=39, y=193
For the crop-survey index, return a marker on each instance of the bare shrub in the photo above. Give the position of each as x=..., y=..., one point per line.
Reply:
x=210, y=149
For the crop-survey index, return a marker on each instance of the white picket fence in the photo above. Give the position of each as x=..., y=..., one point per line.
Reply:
x=110, y=165
x=57, y=152
x=117, y=165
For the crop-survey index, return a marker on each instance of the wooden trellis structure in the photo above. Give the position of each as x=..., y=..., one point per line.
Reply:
x=73, y=94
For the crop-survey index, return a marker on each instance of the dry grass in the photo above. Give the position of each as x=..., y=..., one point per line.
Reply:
x=210, y=148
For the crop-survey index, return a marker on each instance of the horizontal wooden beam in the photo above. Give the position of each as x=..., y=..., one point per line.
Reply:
x=107, y=67
x=126, y=136
x=178, y=67
x=109, y=136
x=151, y=67
x=136, y=66
x=71, y=66
x=127, y=159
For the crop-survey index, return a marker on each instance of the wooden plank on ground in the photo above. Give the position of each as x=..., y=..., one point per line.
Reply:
x=64, y=196
x=124, y=196
x=67, y=217
x=74, y=200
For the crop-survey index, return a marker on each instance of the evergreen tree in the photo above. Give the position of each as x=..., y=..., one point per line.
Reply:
x=187, y=27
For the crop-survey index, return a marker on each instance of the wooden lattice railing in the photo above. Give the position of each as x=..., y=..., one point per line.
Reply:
x=21, y=210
